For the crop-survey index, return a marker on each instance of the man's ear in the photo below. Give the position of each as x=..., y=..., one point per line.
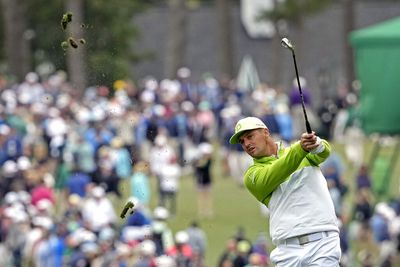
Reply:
x=266, y=130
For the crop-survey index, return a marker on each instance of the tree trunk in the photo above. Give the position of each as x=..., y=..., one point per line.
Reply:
x=17, y=49
x=225, y=38
x=348, y=18
x=76, y=57
x=276, y=64
x=176, y=42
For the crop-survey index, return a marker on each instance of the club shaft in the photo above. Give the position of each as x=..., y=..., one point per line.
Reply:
x=308, y=126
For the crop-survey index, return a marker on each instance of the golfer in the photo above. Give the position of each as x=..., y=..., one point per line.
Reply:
x=303, y=224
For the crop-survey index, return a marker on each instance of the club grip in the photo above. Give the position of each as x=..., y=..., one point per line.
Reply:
x=308, y=127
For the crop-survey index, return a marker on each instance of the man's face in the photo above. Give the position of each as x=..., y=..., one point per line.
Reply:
x=254, y=142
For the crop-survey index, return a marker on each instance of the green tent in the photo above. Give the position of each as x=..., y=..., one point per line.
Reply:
x=377, y=61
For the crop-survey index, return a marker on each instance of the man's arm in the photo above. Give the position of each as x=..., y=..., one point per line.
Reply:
x=262, y=180
x=320, y=153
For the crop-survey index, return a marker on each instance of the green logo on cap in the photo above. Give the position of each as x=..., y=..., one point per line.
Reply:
x=237, y=128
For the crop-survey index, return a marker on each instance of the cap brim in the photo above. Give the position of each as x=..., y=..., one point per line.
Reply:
x=235, y=138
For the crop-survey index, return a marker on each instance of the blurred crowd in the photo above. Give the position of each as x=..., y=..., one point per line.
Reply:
x=64, y=154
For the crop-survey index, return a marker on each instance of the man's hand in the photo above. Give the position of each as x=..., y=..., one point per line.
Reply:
x=309, y=141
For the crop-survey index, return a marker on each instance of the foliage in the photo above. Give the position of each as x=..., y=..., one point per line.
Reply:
x=1, y=39
x=109, y=35
x=294, y=10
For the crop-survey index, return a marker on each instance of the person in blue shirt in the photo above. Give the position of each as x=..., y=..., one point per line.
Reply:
x=77, y=182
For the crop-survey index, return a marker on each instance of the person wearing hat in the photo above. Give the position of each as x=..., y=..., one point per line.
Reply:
x=289, y=182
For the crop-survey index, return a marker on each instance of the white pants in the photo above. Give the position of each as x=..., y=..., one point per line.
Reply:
x=321, y=253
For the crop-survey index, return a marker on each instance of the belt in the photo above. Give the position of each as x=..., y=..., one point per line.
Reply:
x=305, y=239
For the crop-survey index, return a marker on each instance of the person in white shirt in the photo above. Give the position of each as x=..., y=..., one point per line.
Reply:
x=169, y=184
x=98, y=210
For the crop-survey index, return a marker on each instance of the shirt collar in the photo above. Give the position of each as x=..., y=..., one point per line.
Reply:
x=269, y=158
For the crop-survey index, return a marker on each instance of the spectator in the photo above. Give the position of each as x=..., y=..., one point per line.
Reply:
x=140, y=185
x=160, y=154
x=107, y=247
x=98, y=210
x=81, y=152
x=380, y=229
x=78, y=182
x=204, y=180
x=198, y=243
x=161, y=232
x=169, y=184
x=362, y=213
x=105, y=174
x=243, y=250
x=147, y=252
x=8, y=173
x=229, y=255
x=43, y=190
x=363, y=178
x=181, y=251
x=17, y=232
x=335, y=195
x=334, y=168
x=138, y=218
x=122, y=158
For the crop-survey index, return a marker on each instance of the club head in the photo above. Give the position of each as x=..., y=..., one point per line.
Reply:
x=286, y=43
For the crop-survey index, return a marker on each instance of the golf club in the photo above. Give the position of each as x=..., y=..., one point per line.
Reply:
x=287, y=44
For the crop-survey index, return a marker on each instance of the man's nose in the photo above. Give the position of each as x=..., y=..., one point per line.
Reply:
x=246, y=143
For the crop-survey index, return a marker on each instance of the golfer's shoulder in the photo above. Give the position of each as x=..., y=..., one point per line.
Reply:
x=256, y=167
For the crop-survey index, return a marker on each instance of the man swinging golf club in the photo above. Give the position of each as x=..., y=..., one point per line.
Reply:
x=303, y=224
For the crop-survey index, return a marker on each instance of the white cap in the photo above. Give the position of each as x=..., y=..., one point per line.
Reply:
x=4, y=129
x=135, y=201
x=98, y=191
x=181, y=237
x=20, y=217
x=249, y=123
x=32, y=77
x=11, y=197
x=9, y=167
x=89, y=247
x=161, y=213
x=123, y=249
x=106, y=234
x=184, y=72
x=24, y=196
x=44, y=205
x=205, y=148
x=165, y=261
x=147, y=247
x=74, y=199
x=82, y=235
x=187, y=106
x=160, y=140
x=43, y=222
x=23, y=163
x=385, y=210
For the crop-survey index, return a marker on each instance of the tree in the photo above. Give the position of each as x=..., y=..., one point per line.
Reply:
x=76, y=59
x=226, y=57
x=108, y=30
x=17, y=49
x=176, y=42
x=348, y=9
x=293, y=13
